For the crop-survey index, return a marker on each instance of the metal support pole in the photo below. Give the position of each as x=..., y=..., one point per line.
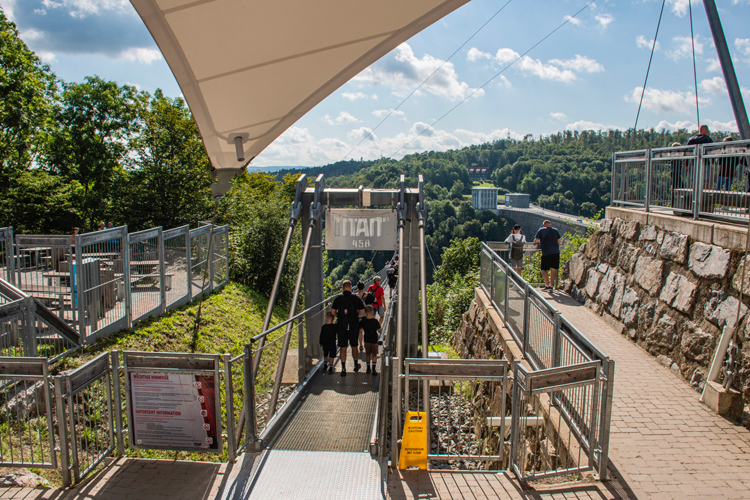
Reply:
x=250, y=420
x=316, y=211
x=62, y=432
x=557, y=340
x=29, y=330
x=422, y=218
x=229, y=390
x=526, y=313
x=606, y=420
x=126, y=276
x=698, y=194
x=733, y=87
x=78, y=295
x=398, y=366
x=162, y=271
x=300, y=350
x=115, y=364
x=295, y=214
x=647, y=197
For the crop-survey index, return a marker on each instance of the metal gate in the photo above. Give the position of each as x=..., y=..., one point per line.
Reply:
x=146, y=273
x=555, y=420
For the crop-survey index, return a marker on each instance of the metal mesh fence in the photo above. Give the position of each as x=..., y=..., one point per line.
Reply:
x=724, y=187
x=6, y=254
x=629, y=178
x=146, y=266
x=199, y=260
x=176, y=268
x=672, y=178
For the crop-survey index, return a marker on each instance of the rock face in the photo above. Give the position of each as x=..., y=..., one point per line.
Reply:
x=672, y=295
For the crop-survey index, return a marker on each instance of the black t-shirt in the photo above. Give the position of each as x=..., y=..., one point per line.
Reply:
x=370, y=326
x=548, y=237
x=699, y=139
x=328, y=334
x=347, y=305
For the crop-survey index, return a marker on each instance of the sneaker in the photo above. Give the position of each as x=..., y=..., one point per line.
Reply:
x=356, y=367
x=368, y=370
x=374, y=372
x=547, y=288
x=330, y=370
x=343, y=373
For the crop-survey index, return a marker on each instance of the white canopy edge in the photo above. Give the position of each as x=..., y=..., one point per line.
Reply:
x=252, y=68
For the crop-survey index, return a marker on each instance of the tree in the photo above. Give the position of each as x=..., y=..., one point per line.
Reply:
x=93, y=123
x=460, y=258
x=169, y=183
x=457, y=189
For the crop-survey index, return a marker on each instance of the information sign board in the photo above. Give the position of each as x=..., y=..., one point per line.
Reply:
x=173, y=411
x=361, y=229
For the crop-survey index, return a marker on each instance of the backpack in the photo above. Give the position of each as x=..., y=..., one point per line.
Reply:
x=344, y=312
x=516, y=249
x=370, y=296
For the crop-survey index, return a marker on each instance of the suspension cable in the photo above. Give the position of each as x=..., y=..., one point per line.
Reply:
x=424, y=81
x=567, y=20
x=648, y=69
x=695, y=74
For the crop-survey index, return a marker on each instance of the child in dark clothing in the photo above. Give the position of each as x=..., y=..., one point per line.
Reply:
x=371, y=327
x=328, y=343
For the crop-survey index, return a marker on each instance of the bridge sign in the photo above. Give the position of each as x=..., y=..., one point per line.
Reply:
x=360, y=229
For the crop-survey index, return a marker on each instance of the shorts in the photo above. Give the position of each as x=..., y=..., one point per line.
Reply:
x=329, y=349
x=377, y=310
x=371, y=349
x=517, y=263
x=348, y=338
x=550, y=262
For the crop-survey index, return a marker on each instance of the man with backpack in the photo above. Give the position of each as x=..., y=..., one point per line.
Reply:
x=347, y=308
x=375, y=297
x=516, y=240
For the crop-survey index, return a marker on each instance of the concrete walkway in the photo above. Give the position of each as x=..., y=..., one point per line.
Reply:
x=664, y=444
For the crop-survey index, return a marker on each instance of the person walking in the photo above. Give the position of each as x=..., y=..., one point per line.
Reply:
x=516, y=239
x=376, y=298
x=361, y=294
x=347, y=308
x=549, y=238
x=392, y=278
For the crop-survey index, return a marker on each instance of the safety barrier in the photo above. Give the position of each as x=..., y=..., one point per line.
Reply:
x=704, y=180
x=104, y=281
x=548, y=340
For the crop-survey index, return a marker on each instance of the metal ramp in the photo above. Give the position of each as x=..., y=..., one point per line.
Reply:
x=321, y=449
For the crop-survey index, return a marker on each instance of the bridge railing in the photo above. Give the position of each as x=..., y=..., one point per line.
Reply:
x=548, y=340
x=703, y=180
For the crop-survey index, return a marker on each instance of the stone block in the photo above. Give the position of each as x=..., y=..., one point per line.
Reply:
x=605, y=225
x=627, y=257
x=648, y=233
x=674, y=247
x=723, y=311
x=648, y=274
x=592, y=283
x=745, y=289
x=729, y=236
x=678, y=292
x=709, y=261
x=697, y=230
x=577, y=268
x=630, y=230
x=627, y=214
x=608, y=287
x=630, y=304
x=696, y=343
x=646, y=315
x=665, y=334
x=722, y=401
x=664, y=360
x=602, y=268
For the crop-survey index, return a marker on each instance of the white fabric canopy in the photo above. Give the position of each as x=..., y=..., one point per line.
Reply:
x=251, y=68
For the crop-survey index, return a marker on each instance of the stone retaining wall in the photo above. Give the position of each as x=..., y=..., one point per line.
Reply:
x=666, y=291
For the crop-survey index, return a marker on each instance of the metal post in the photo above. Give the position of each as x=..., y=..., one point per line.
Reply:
x=126, y=277
x=647, y=199
x=698, y=194
x=62, y=432
x=29, y=330
x=507, y=292
x=162, y=259
x=73, y=432
x=397, y=367
x=250, y=421
x=316, y=211
x=115, y=362
x=78, y=294
x=189, y=257
x=606, y=419
x=422, y=218
x=10, y=254
x=300, y=351
x=556, y=341
x=211, y=251
x=612, y=183
x=733, y=87
x=229, y=391
x=295, y=214
x=526, y=312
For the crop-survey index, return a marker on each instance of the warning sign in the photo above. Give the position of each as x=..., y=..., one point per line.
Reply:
x=414, y=441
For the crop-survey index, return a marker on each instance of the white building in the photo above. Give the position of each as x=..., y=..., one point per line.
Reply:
x=484, y=198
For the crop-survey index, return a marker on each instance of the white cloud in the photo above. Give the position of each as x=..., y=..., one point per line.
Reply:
x=714, y=125
x=680, y=7
x=140, y=54
x=685, y=124
x=579, y=64
x=713, y=65
x=684, y=49
x=46, y=57
x=343, y=117
x=506, y=55
x=32, y=34
x=588, y=125
x=643, y=43
x=380, y=113
x=558, y=116
x=353, y=96
x=545, y=71
x=665, y=101
x=604, y=20
x=742, y=45
x=504, y=83
x=475, y=54
x=730, y=126
x=573, y=20
x=481, y=137
x=714, y=86
x=402, y=71
x=362, y=132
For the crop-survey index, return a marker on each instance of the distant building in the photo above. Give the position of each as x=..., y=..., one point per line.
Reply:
x=478, y=173
x=484, y=198
x=517, y=200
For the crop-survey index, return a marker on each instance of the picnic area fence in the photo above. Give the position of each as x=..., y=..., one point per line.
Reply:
x=101, y=282
x=709, y=180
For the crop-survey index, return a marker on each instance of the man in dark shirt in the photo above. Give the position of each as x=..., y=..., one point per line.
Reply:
x=549, y=238
x=347, y=307
x=328, y=342
x=703, y=137
x=370, y=326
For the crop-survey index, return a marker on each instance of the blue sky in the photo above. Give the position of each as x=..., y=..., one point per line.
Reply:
x=588, y=75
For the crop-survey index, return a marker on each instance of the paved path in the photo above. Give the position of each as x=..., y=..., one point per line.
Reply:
x=664, y=444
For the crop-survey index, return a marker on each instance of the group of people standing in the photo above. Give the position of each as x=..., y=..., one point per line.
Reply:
x=549, y=239
x=356, y=324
